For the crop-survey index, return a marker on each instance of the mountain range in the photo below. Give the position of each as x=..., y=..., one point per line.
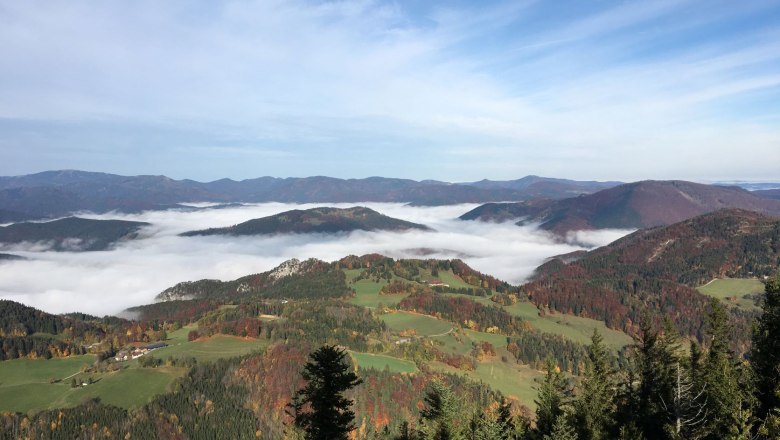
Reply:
x=629, y=206
x=60, y=193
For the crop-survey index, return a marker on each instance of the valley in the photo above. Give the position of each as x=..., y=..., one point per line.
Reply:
x=404, y=322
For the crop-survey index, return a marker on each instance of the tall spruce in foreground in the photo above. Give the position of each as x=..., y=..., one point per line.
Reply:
x=562, y=430
x=319, y=408
x=660, y=371
x=727, y=389
x=595, y=405
x=765, y=359
x=552, y=400
x=442, y=411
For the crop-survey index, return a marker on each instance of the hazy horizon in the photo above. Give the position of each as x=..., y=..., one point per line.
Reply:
x=419, y=179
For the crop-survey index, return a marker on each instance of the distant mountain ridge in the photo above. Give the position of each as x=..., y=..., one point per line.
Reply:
x=72, y=233
x=315, y=220
x=59, y=193
x=633, y=205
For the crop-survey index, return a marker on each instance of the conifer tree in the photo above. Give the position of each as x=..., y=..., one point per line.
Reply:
x=437, y=420
x=406, y=433
x=551, y=399
x=562, y=430
x=658, y=360
x=765, y=359
x=483, y=427
x=595, y=405
x=320, y=408
x=728, y=398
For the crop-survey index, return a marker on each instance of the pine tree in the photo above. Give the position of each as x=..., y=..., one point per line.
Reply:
x=406, y=433
x=437, y=420
x=728, y=399
x=658, y=360
x=765, y=356
x=551, y=399
x=562, y=430
x=595, y=407
x=320, y=408
x=483, y=427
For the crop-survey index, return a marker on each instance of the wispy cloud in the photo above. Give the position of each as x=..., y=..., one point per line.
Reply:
x=530, y=85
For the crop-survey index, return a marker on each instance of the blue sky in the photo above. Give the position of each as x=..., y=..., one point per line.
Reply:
x=453, y=91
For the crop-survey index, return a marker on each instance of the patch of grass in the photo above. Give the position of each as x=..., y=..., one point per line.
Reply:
x=380, y=362
x=447, y=277
x=512, y=379
x=456, y=343
x=367, y=291
x=423, y=325
x=212, y=348
x=28, y=371
x=128, y=388
x=25, y=384
x=180, y=335
x=575, y=328
x=25, y=387
x=734, y=291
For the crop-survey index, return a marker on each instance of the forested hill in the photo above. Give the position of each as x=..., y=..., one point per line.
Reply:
x=655, y=271
x=292, y=279
x=20, y=320
x=315, y=220
x=633, y=205
x=32, y=333
x=72, y=233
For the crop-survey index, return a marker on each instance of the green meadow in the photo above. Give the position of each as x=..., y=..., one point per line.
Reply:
x=25, y=387
x=25, y=383
x=734, y=291
x=423, y=325
x=380, y=362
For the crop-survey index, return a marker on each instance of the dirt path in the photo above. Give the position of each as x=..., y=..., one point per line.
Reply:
x=440, y=334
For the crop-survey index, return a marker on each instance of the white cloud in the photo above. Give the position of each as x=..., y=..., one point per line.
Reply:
x=611, y=80
x=136, y=271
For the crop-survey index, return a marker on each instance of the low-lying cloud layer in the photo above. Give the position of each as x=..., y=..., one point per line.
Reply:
x=135, y=271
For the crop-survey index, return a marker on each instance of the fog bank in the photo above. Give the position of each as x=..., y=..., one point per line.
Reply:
x=135, y=271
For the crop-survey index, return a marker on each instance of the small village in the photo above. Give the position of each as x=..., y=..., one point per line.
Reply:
x=127, y=354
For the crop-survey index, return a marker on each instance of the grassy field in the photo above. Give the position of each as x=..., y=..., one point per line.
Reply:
x=380, y=362
x=576, y=328
x=572, y=327
x=447, y=277
x=733, y=291
x=512, y=379
x=25, y=384
x=210, y=349
x=26, y=371
x=367, y=291
x=422, y=324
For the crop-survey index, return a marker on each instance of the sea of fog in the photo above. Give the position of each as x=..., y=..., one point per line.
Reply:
x=134, y=272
